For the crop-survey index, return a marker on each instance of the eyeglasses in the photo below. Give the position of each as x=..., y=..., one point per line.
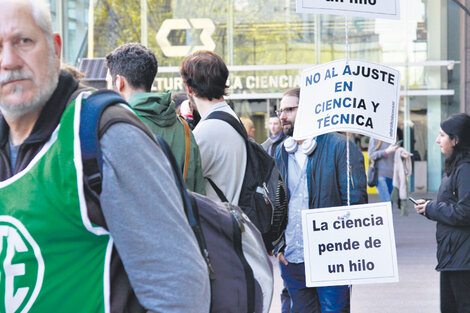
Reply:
x=285, y=110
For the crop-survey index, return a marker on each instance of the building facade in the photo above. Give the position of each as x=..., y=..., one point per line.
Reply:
x=266, y=45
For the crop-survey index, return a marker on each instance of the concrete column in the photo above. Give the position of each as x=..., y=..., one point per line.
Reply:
x=437, y=44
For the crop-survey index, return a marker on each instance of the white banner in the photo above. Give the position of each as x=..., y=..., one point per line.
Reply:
x=389, y=9
x=349, y=96
x=349, y=245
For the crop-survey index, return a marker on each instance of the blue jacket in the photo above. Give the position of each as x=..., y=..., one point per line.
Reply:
x=326, y=172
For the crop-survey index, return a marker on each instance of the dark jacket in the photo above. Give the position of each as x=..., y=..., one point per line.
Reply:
x=326, y=172
x=42, y=130
x=271, y=145
x=451, y=210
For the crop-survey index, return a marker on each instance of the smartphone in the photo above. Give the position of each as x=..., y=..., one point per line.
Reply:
x=399, y=142
x=413, y=200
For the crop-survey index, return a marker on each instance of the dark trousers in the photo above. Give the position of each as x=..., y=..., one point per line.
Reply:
x=313, y=300
x=285, y=298
x=455, y=291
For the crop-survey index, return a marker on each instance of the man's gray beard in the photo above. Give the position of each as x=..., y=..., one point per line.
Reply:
x=15, y=111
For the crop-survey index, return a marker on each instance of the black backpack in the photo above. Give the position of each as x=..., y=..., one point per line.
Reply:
x=263, y=195
x=241, y=277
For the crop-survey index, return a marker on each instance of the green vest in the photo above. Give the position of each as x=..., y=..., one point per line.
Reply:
x=52, y=258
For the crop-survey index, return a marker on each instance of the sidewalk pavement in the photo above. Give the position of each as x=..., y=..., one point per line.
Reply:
x=418, y=288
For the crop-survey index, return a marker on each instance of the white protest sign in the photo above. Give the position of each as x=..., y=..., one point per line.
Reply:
x=349, y=245
x=389, y=9
x=349, y=96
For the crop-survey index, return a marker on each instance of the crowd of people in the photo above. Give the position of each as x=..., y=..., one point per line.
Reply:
x=129, y=248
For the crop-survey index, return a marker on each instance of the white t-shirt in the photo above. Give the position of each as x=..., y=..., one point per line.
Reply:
x=223, y=155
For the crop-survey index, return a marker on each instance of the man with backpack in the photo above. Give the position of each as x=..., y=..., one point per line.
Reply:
x=66, y=247
x=223, y=151
x=315, y=171
x=132, y=68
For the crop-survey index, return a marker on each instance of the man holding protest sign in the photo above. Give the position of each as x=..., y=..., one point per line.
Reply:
x=315, y=171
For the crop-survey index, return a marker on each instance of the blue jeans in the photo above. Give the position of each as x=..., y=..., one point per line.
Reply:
x=313, y=300
x=384, y=188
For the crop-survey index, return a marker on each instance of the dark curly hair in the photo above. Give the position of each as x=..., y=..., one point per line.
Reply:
x=206, y=74
x=135, y=62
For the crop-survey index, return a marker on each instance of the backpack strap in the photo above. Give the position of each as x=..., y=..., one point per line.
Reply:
x=229, y=118
x=238, y=126
x=190, y=207
x=217, y=190
x=187, y=141
x=90, y=116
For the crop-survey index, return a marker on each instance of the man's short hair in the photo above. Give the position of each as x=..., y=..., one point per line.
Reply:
x=294, y=92
x=206, y=74
x=136, y=63
x=178, y=97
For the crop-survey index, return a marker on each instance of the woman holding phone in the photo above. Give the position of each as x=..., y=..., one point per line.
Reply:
x=451, y=211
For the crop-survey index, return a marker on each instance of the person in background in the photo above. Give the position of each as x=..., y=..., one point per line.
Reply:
x=128, y=249
x=177, y=98
x=276, y=135
x=156, y=109
x=314, y=171
x=185, y=108
x=383, y=154
x=223, y=150
x=451, y=211
x=249, y=126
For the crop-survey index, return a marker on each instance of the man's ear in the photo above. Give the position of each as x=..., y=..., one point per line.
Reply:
x=121, y=83
x=57, y=42
x=188, y=90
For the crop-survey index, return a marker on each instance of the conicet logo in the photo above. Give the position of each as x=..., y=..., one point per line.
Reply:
x=205, y=24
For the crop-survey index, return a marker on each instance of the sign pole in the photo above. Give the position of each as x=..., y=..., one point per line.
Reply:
x=348, y=166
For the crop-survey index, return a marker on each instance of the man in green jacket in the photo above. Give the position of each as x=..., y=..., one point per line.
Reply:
x=131, y=71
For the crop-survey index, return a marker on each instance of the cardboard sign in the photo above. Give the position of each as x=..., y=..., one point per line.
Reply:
x=348, y=96
x=389, y=9
x=349, y=245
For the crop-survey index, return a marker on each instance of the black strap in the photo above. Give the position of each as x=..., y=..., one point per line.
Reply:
x=229, y=118
x=219, y=192
x=190, y=207
x=238, y=126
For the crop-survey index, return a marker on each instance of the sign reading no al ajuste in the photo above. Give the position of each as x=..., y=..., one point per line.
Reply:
x=348, y=96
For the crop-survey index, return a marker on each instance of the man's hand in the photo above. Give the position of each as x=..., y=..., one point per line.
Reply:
x=280, y=258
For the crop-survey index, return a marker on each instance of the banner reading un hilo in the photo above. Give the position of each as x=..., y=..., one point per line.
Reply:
x=348, y=96
x=389, y=9
x=349, y=245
